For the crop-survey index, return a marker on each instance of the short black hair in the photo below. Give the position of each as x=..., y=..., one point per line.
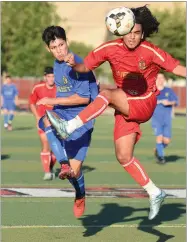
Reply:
x=53, y=32
x=7, y=76
x=48, y=70
x=144, y=17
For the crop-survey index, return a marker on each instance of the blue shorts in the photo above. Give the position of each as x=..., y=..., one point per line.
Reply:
x=162, y=128
x=9, y=105
x=77, y=144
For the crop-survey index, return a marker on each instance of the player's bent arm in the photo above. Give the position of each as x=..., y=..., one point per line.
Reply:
x=71, y=100
x=34, y=111
x=180, y=71
x=81, y=68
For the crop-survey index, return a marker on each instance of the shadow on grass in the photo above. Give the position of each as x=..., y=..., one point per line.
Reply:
x=173, y=158
x=5, y=156
x=22, y=128
x=112, y=213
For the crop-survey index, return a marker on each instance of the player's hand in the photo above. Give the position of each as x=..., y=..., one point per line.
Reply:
x=69, y=59
x=166, y=102
x=46, y=101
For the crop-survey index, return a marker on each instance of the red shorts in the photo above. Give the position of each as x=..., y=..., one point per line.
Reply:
x=140, y=111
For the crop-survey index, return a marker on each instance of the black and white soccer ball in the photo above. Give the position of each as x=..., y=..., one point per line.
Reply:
x=120, y=21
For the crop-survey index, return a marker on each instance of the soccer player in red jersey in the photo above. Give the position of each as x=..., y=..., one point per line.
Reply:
x=41, y=90
x=135, y=64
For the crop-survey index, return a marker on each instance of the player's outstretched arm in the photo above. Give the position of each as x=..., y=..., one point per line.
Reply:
x=180, y=71
x=79, y=67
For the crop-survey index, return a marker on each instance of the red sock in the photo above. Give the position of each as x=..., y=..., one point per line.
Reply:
x=94, y=109
x=53, y=161
x=46, y=159
x=136, y=170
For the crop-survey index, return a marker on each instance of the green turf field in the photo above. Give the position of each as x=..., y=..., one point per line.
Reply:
x=105, y=219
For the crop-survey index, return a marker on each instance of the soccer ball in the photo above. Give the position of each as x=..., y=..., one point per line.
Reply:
x=120, y=21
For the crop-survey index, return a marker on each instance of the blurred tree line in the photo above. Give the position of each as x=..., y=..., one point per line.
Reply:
x=23, y=51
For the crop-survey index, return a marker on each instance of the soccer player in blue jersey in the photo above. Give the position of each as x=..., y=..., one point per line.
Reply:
x=162, y=117
x=74, y=92
x=9, y=100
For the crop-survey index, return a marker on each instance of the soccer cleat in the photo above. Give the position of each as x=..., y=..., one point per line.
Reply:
x=155, y=204
x=79, y=207
x=66, y=172
x=49, y=176
x=5, y=126
x=59, y=124
x=161, y=160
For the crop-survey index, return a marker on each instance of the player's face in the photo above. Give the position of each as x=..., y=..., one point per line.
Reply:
x=58, y=48
x=8, y=80
x=49, y=78
x=160, y=81
x=133, y=39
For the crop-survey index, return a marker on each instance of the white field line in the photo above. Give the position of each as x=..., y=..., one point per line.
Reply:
x=95, y=226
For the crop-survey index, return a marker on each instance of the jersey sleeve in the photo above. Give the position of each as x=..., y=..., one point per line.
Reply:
x=164, y=59
x=33, y=98
x=173, y=97
x=16, y=91
x=96, y=57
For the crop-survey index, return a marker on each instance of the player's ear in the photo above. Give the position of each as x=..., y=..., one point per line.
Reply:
x=142, y=35
x=47, y=48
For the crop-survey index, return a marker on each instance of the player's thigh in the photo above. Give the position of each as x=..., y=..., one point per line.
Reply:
x=167, y=132
x=5, y=111
x=117, y=99
x=158, y=127
x=77, y=149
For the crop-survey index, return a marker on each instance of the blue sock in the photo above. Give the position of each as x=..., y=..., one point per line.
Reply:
x=5, y=118
x=11, y=117
x=160, y=149
x=56, y=146
x=165, y=145
x=78, y=184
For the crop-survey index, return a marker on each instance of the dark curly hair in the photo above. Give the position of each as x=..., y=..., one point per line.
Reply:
x=144, y=17
x=53, y=32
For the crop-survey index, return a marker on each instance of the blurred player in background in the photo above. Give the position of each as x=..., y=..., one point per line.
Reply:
x=74, y=92
x=135, y=64
x=9, y=101
x=162, y=117
x=46, y=88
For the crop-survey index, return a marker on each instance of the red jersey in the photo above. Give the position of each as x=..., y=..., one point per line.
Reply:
x=40, y=91
x=134, y=71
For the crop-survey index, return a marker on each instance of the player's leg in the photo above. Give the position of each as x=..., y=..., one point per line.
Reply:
x=45, y=156
x=5, y=114
x=116, y=97
x=167, y=133
x=158, y=128
x=57, y=148
x=11, y=109
x=77, y=150
x=126, y=135
x=10, y=119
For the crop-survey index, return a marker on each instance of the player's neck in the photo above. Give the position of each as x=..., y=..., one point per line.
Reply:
x=49, y=87
x=160, y=88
